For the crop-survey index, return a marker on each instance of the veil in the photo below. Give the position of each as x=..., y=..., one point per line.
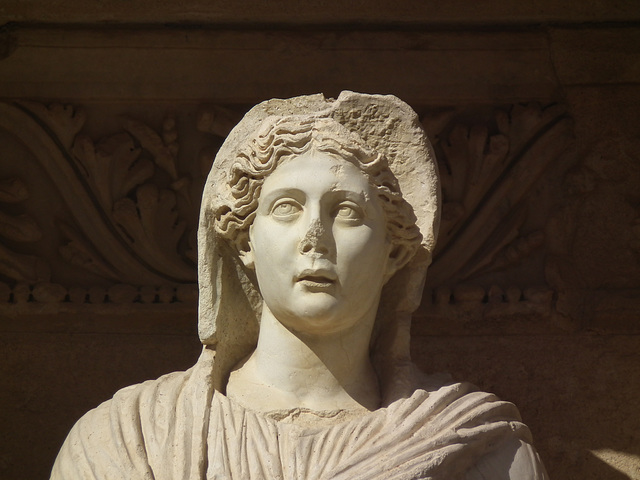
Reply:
x=229, y=302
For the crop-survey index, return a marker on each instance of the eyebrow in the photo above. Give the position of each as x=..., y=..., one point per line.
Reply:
x=299, y=195
x=351, y=195
x=271, y=197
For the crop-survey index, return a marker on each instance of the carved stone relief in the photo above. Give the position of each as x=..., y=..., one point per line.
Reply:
x=119, y=214
x=120, y=208
x=317, y=225
x=593, y=263
x=490, y=261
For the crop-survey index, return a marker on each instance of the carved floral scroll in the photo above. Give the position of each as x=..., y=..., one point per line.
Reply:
x=124, y=210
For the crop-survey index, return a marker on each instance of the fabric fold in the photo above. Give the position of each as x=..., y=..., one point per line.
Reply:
x=179, y=428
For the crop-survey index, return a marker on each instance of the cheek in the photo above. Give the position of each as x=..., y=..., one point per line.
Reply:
x=363, y=254
x=272, y=247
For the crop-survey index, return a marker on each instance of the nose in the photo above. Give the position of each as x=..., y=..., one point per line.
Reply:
x=315, y=239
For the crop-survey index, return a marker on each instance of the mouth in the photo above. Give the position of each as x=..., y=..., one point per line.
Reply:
x=317, y=279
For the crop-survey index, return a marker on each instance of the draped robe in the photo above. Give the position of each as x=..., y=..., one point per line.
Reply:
x=178, y=427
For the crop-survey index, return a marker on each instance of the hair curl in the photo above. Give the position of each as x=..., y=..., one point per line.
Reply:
x=281, y=138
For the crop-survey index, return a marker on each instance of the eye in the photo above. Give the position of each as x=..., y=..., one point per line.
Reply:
x=286, y=210
x=349, y=213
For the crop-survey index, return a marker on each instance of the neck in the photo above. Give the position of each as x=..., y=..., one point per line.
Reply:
x=320, y=372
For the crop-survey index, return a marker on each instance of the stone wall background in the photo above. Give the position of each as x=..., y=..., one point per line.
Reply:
x=546, y=310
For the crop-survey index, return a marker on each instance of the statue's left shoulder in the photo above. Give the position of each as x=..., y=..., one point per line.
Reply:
x=514, y=459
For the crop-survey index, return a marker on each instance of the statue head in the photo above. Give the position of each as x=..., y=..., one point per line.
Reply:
x=376, y=142
x=285, y=138
x=332, y=225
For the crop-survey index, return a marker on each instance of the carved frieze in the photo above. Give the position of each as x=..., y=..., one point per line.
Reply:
x=495, y=168
x=113, y=221
x=487, y=170
x=112, y=217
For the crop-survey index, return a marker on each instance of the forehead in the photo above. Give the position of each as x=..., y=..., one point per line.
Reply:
x=317, y=171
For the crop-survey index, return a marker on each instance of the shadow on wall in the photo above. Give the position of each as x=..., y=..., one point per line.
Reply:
x=610, y=462
x=603, y=470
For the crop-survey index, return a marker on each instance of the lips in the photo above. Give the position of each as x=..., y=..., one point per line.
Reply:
x=317, y=278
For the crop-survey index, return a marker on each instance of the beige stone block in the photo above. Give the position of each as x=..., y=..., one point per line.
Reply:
x=596, y=57
x=245, y=67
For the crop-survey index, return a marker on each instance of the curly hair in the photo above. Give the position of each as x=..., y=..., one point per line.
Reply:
x=281, y=138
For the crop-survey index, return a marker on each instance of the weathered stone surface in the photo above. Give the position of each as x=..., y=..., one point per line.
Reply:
x=49, y=293
x=605, y=56
x=332, y=12
x=230, y=66
x=587, y=409
x=122, y=293
x=87, y=368
x=589, y=255
x=322, y=216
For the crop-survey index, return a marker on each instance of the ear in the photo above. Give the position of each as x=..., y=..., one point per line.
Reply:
x=247, y=259
x=398, y=257
x=245, y=252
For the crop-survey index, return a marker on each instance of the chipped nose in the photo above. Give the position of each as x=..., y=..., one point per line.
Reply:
x=312, y=239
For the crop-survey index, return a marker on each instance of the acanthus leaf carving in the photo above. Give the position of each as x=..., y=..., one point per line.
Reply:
x=77, y=251
x=20, y=228
x=163, y=156
x=217, y=120
x=152, y=224
x=182, y=187
x=65, y=121
x=170, y=136
x=13, y=190
x=114, y=166
x=100, y=180
x=132, y=203
x=486, y=170
x=23, y=268
x=507, y=232
x=512, y=253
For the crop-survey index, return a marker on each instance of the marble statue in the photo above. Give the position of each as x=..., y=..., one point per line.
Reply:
x=317, y=226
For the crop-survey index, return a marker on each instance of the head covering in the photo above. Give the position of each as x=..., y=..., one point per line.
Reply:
x=229, y=303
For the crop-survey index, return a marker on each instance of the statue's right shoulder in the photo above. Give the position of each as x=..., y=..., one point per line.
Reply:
x=119, y=438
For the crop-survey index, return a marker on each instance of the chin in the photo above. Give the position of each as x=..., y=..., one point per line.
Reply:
x=321, y=318
x=317, y=328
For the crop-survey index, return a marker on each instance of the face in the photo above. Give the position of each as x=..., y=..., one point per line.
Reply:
x=319, y=245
